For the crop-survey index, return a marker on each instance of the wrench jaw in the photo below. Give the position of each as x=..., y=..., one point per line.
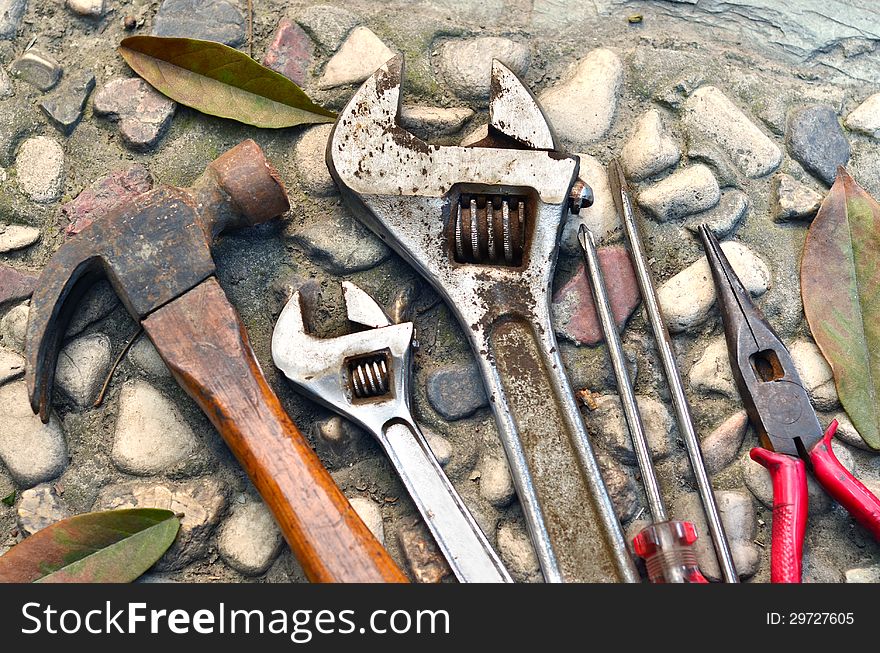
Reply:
x=334, y=371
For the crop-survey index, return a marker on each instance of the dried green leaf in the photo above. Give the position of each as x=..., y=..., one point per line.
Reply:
x=98, y=547
x=840, y=286
x=220, y=81
x=9, y=499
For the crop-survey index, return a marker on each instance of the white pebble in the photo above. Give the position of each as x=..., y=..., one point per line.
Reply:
x=684, y=192
x=650, y=149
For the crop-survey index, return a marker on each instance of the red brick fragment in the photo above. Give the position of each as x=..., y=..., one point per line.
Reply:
x=15, y=284
x=290, y=52
x=104, y=195
x=573, y=308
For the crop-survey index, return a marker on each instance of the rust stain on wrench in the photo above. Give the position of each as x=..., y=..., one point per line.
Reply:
x=482, y=225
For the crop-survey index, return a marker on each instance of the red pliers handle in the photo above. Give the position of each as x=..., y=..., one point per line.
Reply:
x=790, y=501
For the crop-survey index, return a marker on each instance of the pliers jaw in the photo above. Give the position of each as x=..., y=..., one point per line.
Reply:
x=771, y=389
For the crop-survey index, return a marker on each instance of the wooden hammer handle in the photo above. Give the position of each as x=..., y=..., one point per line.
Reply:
x=203, y=342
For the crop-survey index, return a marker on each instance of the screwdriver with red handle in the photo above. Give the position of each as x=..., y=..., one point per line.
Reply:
x=666, y=545
x=780, y=411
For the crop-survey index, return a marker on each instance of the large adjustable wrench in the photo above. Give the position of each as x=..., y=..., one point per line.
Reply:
x=365, y=376
x=482, y=224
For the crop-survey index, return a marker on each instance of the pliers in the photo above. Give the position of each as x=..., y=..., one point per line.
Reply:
x=780, y=411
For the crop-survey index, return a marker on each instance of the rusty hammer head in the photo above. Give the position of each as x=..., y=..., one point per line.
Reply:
x=152, y=249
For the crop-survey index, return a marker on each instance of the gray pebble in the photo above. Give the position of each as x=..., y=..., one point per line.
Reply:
x=33, y=452
x=593, y=86
x=37, y=69
x=65, y=107
x=39, y=167
x=650, y=148
x=622, y=486
x=209, y=20
x=816, y=140
x=517, y=553
x=96, y=304
x=606, y=423
x=17, y=236
x=866, y=117
x=359, y=56
x=39, y=507
x=740, y=524
x=144, y=355
x=340, y=244
x=87, y=8
x=793, y=200
x=863, y=575
x=13, y=327
x=466, y=65
x=249, y=540
x=82, y=367
x=720, y=446
x=327, y=25
x=684, y=192
x=310, y=156
x=816, y=374
x=11, y=365
x=201, y=502
x=496, y=483
x=846, y=432
x=11, y=13
x=711, y=372
x=151, y=436
x=725, y=217
x=456, y=391
x=371, y=514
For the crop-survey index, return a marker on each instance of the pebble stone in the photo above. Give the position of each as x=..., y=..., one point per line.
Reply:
x=574, y=313
x=439, y=445
x=209, y=20
x=621, y=485
x=581, y=107
x=143, y=113
x=13, y=327
x=16, y=236
x=357, y=58
x=11, y=365
x=39, y=507
x=82, y=367
x=146, y=358
x=88, y=8
x=815, y=373
x=249, y=539
x=341, y=244
x=600, y=218
x=201, y=502
x=37, y=69
x=33, y=452
x=866, y=117
x=517, y=553
x=97, y=303
x=151, y=436
x=310, y=161
x=793, y=200
x=711, y=372
x=606, y=423
x=757, y=480
x=740, y=521
x=327, y=25
x=466, y=65
x=15, y=284
x=725, y=217
x=6, y=89
x=650, y=149
x=290, y=52
x=434, y=121
x=65, y=107
x=496, y=483
x=846, y=431
x=709, y=114
x=39, y=168
x=816, y=140
x=11, y=13
x=425, y=561
x=684, y=192
x=687, y=297
x=371, y=514
x=863, y=574
x=720, y=447
x=456, y=391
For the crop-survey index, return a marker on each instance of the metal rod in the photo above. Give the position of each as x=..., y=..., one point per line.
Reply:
x=673, y=377
x=624, y=384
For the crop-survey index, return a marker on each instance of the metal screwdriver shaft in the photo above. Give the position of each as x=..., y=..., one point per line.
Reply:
x=666, y=545
x=625, y=209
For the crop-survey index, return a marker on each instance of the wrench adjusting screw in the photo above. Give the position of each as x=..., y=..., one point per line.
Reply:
x=489, y=230
x=369, y=376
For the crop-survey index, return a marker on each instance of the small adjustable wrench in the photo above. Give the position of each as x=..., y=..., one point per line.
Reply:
x=365, y=376
x=482, y=225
